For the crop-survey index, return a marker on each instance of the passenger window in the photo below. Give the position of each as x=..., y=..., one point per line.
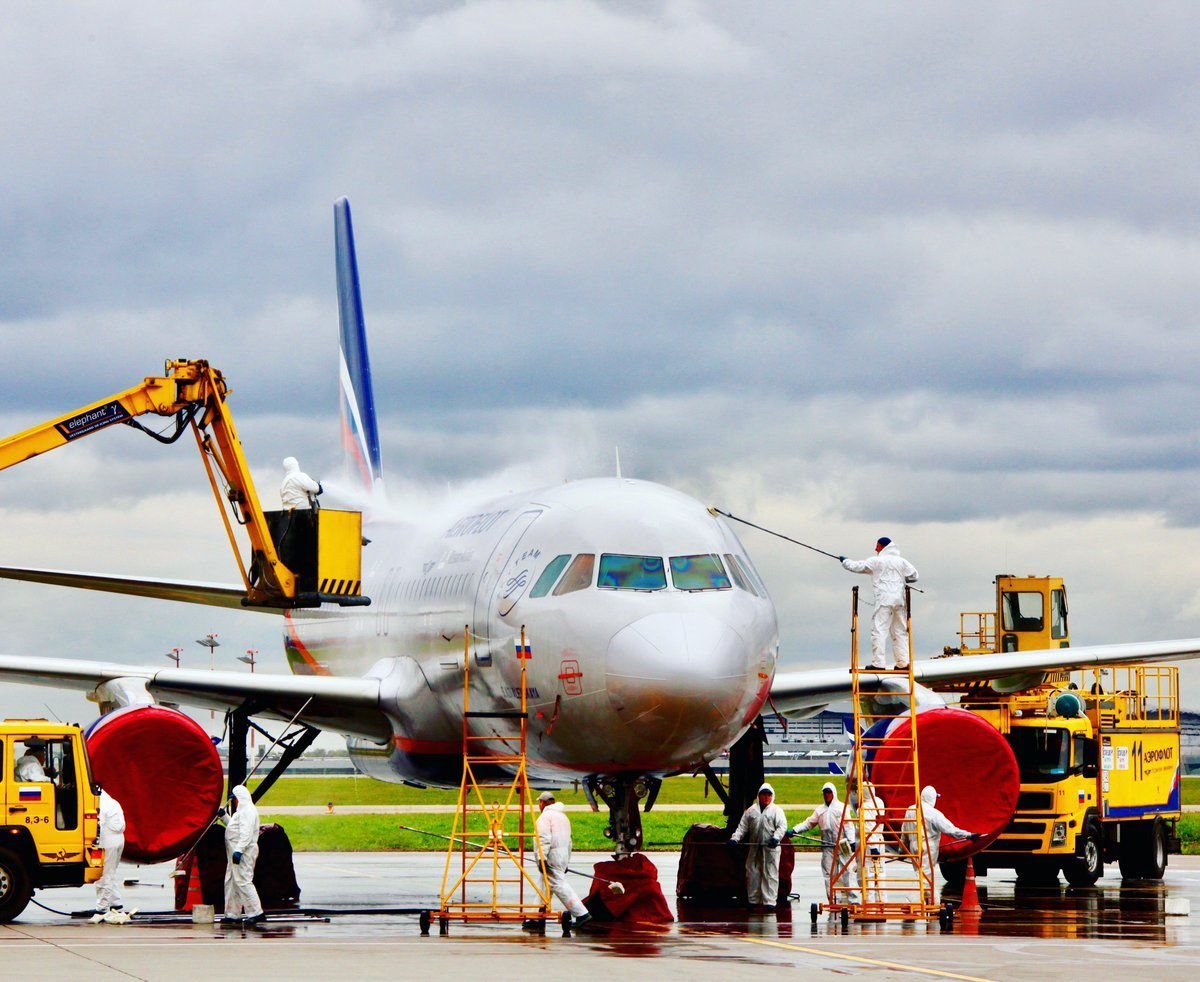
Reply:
x=578, y=575
x=549, y=575
x=618, y=572
x=703, y=572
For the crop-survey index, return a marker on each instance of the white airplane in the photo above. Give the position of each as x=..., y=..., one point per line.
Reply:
x=655, y=642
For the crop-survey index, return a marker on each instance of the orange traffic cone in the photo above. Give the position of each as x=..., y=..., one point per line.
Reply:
x=194, y=894
x=970, y=893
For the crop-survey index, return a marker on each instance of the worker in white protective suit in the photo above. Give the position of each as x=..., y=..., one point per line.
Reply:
x=31, y=765
x=554, y=833
x=936, y=825
x=837, y=842
x=241, y=853
x=889, y=573
x=762, y=829
x=110, y=838
x=298, y=490
x=869, y=808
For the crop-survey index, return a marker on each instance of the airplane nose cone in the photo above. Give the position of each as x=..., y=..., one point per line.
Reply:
x=676, y=680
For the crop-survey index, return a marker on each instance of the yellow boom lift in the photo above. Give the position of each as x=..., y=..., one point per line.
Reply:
x=297, y=558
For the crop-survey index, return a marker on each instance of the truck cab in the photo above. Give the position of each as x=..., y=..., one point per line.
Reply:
x=49, y=811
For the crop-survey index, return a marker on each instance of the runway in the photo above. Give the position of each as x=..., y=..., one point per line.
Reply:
x=1112, y=931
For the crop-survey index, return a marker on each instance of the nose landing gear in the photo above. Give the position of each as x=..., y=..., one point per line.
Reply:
x=622, y=794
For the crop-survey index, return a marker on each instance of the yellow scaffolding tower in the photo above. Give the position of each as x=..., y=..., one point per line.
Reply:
x=494, y=839
x=885, y=871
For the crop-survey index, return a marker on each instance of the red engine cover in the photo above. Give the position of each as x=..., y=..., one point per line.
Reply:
x=970, y=765
x=164, y=770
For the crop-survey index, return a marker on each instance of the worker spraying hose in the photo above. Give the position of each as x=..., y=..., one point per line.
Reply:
x=615, y=886
x=890, y=573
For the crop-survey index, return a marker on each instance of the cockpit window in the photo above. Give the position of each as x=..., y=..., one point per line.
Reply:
x=755, y=586
x=703, y=572
x=549, y=575
x=631, y=573
x=578, y=575
x=736, y=573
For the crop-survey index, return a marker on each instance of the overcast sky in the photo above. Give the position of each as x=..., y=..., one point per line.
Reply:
x=927, y=270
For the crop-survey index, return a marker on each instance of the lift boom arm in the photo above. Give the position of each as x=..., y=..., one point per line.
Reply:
x=194, y=393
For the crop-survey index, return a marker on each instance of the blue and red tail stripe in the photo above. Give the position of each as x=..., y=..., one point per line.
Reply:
x=360, y=429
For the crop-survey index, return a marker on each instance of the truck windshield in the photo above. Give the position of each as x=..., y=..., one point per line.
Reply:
x=1022, y=611
x=1043, y=755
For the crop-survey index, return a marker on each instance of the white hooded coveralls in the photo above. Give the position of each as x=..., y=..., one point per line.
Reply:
x=111, y=839
x=554, y=832
x=936, y=825
x=297, y=488
x=241, y=835
x=756, y=829
x=889, y=573
x=871, y=809
x=828, y=818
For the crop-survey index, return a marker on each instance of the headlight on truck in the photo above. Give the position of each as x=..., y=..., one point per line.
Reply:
x=1059, y=835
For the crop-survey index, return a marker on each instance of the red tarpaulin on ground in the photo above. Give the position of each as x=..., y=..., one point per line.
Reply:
x=642, y=900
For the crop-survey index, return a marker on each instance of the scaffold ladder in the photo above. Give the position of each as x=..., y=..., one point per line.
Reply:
x=884, y=871
x=494, y=837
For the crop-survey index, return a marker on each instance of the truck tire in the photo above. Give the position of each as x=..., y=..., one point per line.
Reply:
x=1037, y=871
x=955, y=873
x=1087, y=866
x=1143, y=850
x=15, y=890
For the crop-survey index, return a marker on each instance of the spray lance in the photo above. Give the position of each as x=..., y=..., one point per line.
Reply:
x=714, y=510
x=615, y=886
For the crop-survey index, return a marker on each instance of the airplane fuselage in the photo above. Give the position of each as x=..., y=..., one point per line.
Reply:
x=653, y=639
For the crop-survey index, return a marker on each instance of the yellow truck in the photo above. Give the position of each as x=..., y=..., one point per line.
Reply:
x=50, y=812
x=1098, y=750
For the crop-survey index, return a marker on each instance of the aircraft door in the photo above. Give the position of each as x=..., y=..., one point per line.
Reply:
x=42, y=795
x=506, y=576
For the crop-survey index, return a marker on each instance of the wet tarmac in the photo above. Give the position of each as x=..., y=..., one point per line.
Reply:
x=1112, y=931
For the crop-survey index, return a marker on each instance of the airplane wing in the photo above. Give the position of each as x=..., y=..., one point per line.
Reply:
x=209, y=594
x=343, y=705
x=799, y=693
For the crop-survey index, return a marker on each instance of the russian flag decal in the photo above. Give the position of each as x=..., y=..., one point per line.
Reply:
x=29, y=794
x=523, y=650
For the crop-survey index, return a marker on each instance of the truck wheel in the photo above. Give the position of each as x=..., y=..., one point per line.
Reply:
x=1143, y=852
x=955, y=873
x=1087, y=866
x=1037, y=872
x=14, y=886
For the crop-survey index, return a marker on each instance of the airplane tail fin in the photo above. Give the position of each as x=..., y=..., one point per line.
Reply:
x=360, y=431
x=835, y=769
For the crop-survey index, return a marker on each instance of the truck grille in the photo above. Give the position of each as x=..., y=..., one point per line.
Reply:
x=1026, y=828
x=1014, y=845
x=1035, y=801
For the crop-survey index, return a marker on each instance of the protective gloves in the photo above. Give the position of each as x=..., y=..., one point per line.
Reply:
x=237, y=858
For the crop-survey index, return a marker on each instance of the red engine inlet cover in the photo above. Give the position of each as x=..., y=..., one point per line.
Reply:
x=164, y=770
x=970, y=765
